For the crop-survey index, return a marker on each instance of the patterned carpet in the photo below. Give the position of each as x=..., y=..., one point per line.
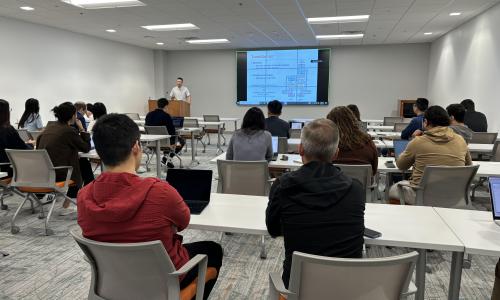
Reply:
x=51, y=267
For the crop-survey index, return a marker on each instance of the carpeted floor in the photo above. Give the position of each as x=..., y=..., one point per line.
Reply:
x=52, y=267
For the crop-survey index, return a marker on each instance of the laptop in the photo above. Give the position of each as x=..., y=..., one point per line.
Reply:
x=275, y=140
x=178, y=122
x=399, y=147
x=494, y=183
x=193, y=185
x=295, y=125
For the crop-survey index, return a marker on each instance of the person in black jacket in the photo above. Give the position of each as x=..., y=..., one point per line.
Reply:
x=9, y=138
x=317, y=209
x=275, y=125
x=473, y=119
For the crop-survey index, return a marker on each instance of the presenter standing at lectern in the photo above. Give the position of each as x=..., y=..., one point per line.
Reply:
x=180, y=92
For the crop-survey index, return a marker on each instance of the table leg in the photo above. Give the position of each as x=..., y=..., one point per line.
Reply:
x=420, y=274
x=193, y=150
x=263, y=253
x=158, y=159
x=235, y=125
x=457, y=259
x=219, y=148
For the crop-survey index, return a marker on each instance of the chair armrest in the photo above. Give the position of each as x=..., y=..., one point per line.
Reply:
x=199, y=260
x=5, y=164
x=62, y=167
x=412, y=290
x=277, y=287
x=68, y=175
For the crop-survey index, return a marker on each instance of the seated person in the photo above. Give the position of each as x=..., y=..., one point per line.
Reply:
x=98, y=110
x=355, y=147
x=475, y=120
x=81, y=112
x=275, y=125
x=457, y=117
x=438, y=146
x=121, y=207
x=252, y=142
x=355, y=110
x=63, y=143
x=31, y=119
x=416, y=125
x=317, y=209
x=9, y=138
x=161, y=117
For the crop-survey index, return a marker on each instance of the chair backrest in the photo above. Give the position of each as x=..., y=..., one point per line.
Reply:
x=363, y=173
x=448, y=187
x=318, y=277
x=282, y=145
x=191, y=123
x=295, y=133
x=243, y=177
x=133, y=116
x=31, y=168
x=398, y=127
x=158, y=130
x=484, y=138
x=389, y=121
x=34, y=134
x=211, y=118
x=495, y=155
x=129, y=271
x=24, y=135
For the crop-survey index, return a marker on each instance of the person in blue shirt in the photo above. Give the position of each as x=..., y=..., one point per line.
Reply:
x=81, y=109
x=416, y=125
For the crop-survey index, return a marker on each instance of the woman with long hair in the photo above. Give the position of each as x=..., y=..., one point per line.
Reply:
x=252, y=142
x=98, y=110
x=31, y=119
x=355, y=146
x=9, y=138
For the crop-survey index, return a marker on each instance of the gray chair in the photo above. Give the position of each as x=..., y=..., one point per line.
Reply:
x=282, y=145
x=34, y=134
x=443, y=186
x=214, y=129
x=399, y=127
x=34, y=174
x=295, y=133
x=133, y=116
x=319, y=277
x=390, y=121
x=484, y=138
x=136, y=270
x=363, y=173
x=244, y=178
x=193, y=123
x=24, y=134
x=167, y=148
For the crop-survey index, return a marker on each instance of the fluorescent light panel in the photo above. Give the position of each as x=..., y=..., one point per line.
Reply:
x=208, y=41
x=338, y=19
x=160, y=44
x=28, y=8
x=96, y=4
x=340, y=36
x=427, y=33
x=455, y=14
x=171, y=27
x=110, y=30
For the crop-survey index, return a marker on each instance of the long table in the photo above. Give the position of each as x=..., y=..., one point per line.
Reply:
x=415, y=227
x=474, y=148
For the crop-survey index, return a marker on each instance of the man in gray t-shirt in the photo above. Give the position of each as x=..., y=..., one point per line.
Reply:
x=457, y=117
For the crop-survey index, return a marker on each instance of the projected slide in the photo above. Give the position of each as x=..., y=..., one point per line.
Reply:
x=290, y=76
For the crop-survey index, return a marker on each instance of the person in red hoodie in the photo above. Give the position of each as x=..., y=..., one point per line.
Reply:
x=121, y=207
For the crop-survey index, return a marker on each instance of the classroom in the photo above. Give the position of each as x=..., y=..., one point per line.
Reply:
x=249, y=149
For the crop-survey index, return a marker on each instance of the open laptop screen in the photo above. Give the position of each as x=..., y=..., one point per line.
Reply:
x=399, y=147
x=495, y=196
x=275, y=144
x=192, y=184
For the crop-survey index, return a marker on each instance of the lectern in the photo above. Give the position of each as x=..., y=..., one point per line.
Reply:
x=176, y=108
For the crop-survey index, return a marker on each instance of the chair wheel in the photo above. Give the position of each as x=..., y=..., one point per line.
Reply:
x=14, y=229
x=5, y=207
x=49, y=232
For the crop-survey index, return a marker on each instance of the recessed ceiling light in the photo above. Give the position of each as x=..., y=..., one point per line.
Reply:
x=160, y=44
x=95, y=4
x=455, y=14
x=26, y=8
x=110, y=30
x=340, y=36
x=171, y=27
x=427, y=33
x=338, y=19
x=209, y=41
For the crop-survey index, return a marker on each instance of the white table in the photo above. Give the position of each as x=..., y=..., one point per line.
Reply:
x=191, y=132
x=294, y=161
x=140, y=122
x=479, y=234
x=234, y=120
x=473, y=148
x=380, y=127
x=401, y=226
x=219, y=127
x=378, y=134
x=373, y=122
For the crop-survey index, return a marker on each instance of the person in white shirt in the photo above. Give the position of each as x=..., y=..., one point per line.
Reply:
x=180, y=92
x=31, y=119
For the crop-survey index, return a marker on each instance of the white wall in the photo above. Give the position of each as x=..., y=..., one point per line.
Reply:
x=54, y=65
x=465, y=63
x=374, y=77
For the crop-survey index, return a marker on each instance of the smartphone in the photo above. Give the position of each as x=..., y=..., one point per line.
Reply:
x=390, y=164
x=372, y=233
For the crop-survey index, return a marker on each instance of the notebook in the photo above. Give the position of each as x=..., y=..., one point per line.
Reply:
x=193, y=185
x=494, y=183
